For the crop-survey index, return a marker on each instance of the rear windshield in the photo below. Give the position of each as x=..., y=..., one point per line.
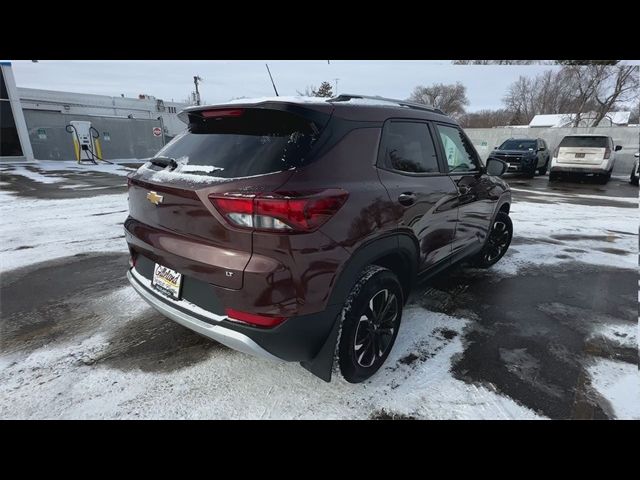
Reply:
x=255, y=142
x=589, y=142
x=518, y=145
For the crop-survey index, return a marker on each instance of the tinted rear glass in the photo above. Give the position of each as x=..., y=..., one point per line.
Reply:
x=258, y=141
x=589, y=142
x=518, y=145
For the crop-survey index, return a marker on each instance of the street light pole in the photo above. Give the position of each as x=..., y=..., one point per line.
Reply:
x=196, y=81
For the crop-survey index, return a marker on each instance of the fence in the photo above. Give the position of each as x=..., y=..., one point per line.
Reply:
x=485, y=139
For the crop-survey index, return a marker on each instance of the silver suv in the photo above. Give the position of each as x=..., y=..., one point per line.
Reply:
x=592, y=155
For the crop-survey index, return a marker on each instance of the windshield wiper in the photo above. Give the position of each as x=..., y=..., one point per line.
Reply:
x=164, y=162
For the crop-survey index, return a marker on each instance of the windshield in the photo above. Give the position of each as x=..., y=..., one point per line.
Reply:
x=588, y=142
x=253, y=143
x=518, y=145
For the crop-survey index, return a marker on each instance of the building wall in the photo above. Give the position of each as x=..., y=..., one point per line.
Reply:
x=120, y=138
x=103, y=105
x=485, y=139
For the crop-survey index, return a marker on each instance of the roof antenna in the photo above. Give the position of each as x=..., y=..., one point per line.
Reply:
x=272, y=82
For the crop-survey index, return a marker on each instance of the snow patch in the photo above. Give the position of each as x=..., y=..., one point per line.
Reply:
x=619, y=383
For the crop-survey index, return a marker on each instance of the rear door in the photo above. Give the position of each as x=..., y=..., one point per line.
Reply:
x=583, y=150
x=476, y=192
x=173, y=221
x=413, y=173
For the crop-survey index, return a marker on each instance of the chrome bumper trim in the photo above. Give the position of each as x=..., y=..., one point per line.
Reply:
x=226, y=336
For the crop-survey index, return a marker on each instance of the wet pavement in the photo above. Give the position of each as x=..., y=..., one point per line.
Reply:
x=531, y=334
x=65, y=183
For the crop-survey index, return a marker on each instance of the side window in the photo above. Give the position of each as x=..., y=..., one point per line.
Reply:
x=461, y=157
x=408, y=147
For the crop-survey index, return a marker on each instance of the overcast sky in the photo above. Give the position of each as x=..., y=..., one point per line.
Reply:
x=225, y=79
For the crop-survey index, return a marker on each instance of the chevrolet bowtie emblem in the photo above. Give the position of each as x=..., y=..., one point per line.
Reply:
x=154, y=198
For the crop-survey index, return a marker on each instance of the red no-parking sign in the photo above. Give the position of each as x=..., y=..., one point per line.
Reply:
x=157, y=131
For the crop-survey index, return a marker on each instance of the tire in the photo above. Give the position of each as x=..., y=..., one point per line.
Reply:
x=604, y=179
x=554, y=176
x=365, y=340
x=530, y=174
x=497, y=243
x=543, y=170
x=633, y=180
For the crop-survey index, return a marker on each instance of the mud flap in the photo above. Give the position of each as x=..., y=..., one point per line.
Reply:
x=322, y=364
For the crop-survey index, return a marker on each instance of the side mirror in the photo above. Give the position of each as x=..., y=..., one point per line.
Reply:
x=618, y=148
x=495, y=167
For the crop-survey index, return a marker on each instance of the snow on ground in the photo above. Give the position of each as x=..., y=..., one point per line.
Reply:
x=34, y=230
x=574, y=195
x=229, y=384
x=49, y=169
x=33, y=175
x=619, y=383
x=60, y=380
x=566, y=232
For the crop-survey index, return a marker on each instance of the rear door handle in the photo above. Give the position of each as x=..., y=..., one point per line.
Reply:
x=407, y=198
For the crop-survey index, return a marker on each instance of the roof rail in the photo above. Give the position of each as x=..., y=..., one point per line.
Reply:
x=345, y=97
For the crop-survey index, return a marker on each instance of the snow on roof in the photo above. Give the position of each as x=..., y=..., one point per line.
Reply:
x=312, y=100
x=565, y=119
x=286, y=99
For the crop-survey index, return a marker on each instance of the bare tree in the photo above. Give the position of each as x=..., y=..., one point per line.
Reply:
x=619, y=85
x=587, y=62
x=497, y=62
x=535, y=62
x=451, y=99
x=486, y=118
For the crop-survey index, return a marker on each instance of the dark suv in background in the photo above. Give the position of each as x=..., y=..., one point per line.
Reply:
x=295, y=229
x=524, y=155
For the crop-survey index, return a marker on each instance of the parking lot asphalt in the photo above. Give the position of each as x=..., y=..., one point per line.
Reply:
x=533, y=336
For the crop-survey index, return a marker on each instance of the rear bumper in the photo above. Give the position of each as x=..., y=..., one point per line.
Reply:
x=298, y=339
x=176, y=312
x=596, y=169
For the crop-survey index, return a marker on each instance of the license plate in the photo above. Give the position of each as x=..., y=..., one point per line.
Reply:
x=579, y=155
x=167, y=281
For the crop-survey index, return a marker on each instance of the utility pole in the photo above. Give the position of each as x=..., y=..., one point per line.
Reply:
x=336, y=80
x=196, y=81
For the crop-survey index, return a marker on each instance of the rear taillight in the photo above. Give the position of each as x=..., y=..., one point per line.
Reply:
x=556, y=152
x=607, y=153
x=268, y=321
x=282, y=212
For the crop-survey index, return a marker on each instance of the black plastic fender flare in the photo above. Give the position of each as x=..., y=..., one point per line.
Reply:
x=322, y=364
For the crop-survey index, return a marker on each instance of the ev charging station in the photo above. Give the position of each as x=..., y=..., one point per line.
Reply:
x=86, y=143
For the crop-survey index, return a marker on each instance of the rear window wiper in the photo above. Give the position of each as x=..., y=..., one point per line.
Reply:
x=164, y=162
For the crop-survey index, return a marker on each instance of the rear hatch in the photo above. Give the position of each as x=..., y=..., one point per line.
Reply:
x=247, y=149
x=586, y=150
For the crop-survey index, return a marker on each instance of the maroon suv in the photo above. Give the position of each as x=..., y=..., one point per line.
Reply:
x=295, y=229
